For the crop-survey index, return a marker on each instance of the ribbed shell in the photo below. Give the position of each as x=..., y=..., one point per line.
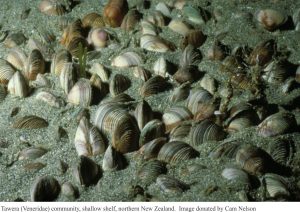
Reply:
x=67, y=77
x=282, y=151
x=127, y=59
x=30, y=122
x=32, y=153
x=180, y=93
x=92, y=20
x=226, y=148
x=169, y=184
x=153, y=129
x=160, y=67
x=74, y=46
x=181, y=132
x=81, y=93
x=199, y=100
x=153, y=86
x=113, y=160
x=175, y=115
x=6, y=71
x=17, y=58
x=35, y=65
x=151, y=149
x=236, y=175
x=49, y=98
x=143, y=114
x=150, y=170
x=18, y=86
x=2, y=93
x=118, y=84
x=276, y=185
x=130, y=20
x=59, y=59
x=52, y=8
x=154, y=43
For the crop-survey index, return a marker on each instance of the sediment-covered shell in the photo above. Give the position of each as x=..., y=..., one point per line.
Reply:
x=32, y=153
x=181, y=132
x=277, y=124
x=193, y=37
x=270, y=19
x=52, y=7
x=81, y=93
x=262, y=53
x=169, y=184
x=150, y=170
x=282, y=151
x=30, y=122
x=130, y=20
x=143, y=114
x=87, y=172
x=276, y=185
x=6, y=71
x=181, y=92
x=40, y=82
x=193, y=14
x=236, y=175
x=18, y=85
x=92, y=20
x=113, y=160
x=118, y=84
x=208, y=83
x=154, y=43
x=67, y=77
x=59, y=59
x=163, y=8
x=175, y=115
x=226, y=148
x=120, y=98
x=35, y=65
x=153, y=86
x=50, y=99
x=44, y=188
x=2, y=93
x=179, y=26
x=176, y=151
x=141, y=73
x=151, y=149
x=114, y=12
x=153, y=129
x=70, y=191
x=254, y=160
x=14, y=39
x=205, y=131
x=127, y=59
x=160, y=67
x=17, y=58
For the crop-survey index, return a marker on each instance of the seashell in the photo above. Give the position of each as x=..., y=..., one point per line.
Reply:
x=45, y=188
x=18, y=86
x=47, y=36
x=125, y=135
x=127, y=59
x=17, y=58
x=209, y=84
x=14, y=39
x=226, y=148
x=76, y=46
x=114, y=12
x=92, y=20
x=153, y=86
x=179, y=27
x=270, y=19
x=180, y=93
x=193, y=14
x=163, y=8
x=169, y=184
x=282, y=151
x=242, y=81
x=200, y=103
x=6, y=71
x=205, y=131
x=276, y=72
x=150, y=170
x=193, y=37
x=3, y=35
x=218, y=51
x=32, y=153
x=81, y=93
x=175, y=115
x=156, y=18
x=148, y=28
x=87, y=172
x=35, y=166
x=277, y=124
x=120, y=98
x=70, y=191
x=181, y=132
x=35, y=65
x=262, y=53
x=179, y=4
x=160, y=67
x=118, y=84
x=72, y=31
x=130, y=20
x=30, y=122
x=59, y=59
x=2, y=93
x=276, y=185
x=99, y=69
x=52, y=8
x=67, y=77
x=63, y=22
x=46, y=51
x=150, y=149
x=143, y=114
x=152, y=130
x=154, y=43
x=98, y=37
x=141, y=73
x=113, y=160
x=176, y=151
x=50, y=99
x=236, y=175
x=40, y=81
x=254, y=160
x=102, y=87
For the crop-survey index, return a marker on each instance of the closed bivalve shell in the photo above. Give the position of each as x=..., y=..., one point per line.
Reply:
x=270, y=19
x=17, y=58
x=35, y=65
x=18, y=85
x=169, y=184
x=153, y=129
x=45, y=188
x=30, y=122
x=6, y=71
x=150, y=170
x=143, y=114
x=276, y=185
x=52, y=8
x=50, y=99
x=67, y=77
x=153, y=86
x=81, y=93
x=154, y=43
x=113, y=160
x=160, y=67
x=151, y=149
x=179, y=27
x=118, y=84
x=127, y=59
x=59, y=59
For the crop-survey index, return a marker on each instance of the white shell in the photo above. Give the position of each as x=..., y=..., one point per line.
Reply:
x=81, y=93
x=67, y=77
x=175, y=115
x=40, y=81
x=179, y=27
x=160, y=67
x=148, y=28
x=163, y=8
x=49, y=98
x=153, y=43
x=6, y=71
x=18, y=86
x=17, y=58
x=127, y=59
x=99, y=69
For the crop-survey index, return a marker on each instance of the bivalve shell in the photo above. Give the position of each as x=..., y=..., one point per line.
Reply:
x=141, y=73
x=153, y=86
x=130, y=20
x=98, y=37
x=148, y=28
x=179, y=27
x=127, y=59
x=181, y=92
x=50, y=99
x=118, y=84
x=6, y=71
x=151, y=149
x=153, y=129
x=67, y=77
x=45, y=188
x=101, y=71
x=59, y=59
x=35, y=65
x=276, y=185
x=18, y=85
x=143, y=114
x=270, y=19
x=236, y=175
x=81, y=93
x=30, y=122
x=32, y=153
x=70, y=191
x=2, y=93
x=17, y=58
x=262, y=53
x=226, y=148
x=181, y=132
x=154, y=43
x=282, y=151
x=160, y=67
x=114, y=12
x=150, y=170
x=193, y=37
x=93, y=20
x=169, y=184
x=52, y=7
x=113, y=160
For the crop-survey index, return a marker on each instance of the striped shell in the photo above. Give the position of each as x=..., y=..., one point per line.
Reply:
x=6, y=71
x=67, y=77
x=236, y=175
x=92, y=20
x=18, y=85
x=35, y=65
x=113, y=160
x=44, y=188
x=32, y=153
x=181, y=132
x=130, y=20
x=169, y=184
x=195, y=38
x=148, y=28
x=59, y=59
x=154, y=43
x=3, y=93
x=143, y=114
x=179, y=27
x=153, y=86
x=17, y=58
x=114, y=12
x=160, y=67
x=180, y=93
x=276, y=185
x=226, y=148
x=76, y=46
x=152, y=130
x=30, y=122
x=72, y=31
x=50, y=99
x=118, y=84
x=101, y=71
x=141, y=73
x=150, y=170
x=282, y=150
x=151, y=149
x=81, y=93
x=156, y=18
x=127, y=59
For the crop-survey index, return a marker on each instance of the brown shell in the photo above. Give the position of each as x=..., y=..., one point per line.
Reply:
x=114, y=12
x=153, y=129
x=143, y=114
x=262, y=53
x=150, y=150
x=194, y=37
x=150, y=170
x=130, y=20
x=118, y=84
x=74, y=46
x=154, y=85
x=35, y=65
x=45, y=188
x=92, y=20
x=72, y=31
x=30, y=122
x=50, y=7
x=59, y=59
x=6, y=71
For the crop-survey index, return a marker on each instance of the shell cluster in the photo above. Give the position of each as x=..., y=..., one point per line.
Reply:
x=130, y=97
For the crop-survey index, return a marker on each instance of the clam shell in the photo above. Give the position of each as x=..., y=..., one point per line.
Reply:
x=153, y=86
x=270, y=19
x=81, y=93
x=30, y=122
x=226, y=148
x=14, y=39
x=169, y=184
x=17, y=58
x=35, y=65
x=102, y=72
x=52, y=8
x=154, y=43
x=150, y=149
x=153, y=129
x=262, y=53
x=67, y=77
x=141, y=73
x=150, y=170
x=193, y=14
x=156, y=18
x=277, y=124
x=18, y=86
x=32, y=153
x=113, y=160
x=93, y=20
x=181, y=132
x=160, y=67
x=143, y=114
x=176, y=151
x=59, y=59
x=6, y=71
x=127, y=59
x=50, y=99
x=72, y=31
x=282, y=151
x=40, y=82
x=120, y=98
x=276, y=185
x=98, y=37
x=209, y=84
x=276, y=72
x=114, y=12
x=236, y=175
x=180, y=93
x=45, y=188
x=118, y=84
x=217, y=51
x=179, y=27
x=76, y=46
x=163, y=8
x=70, y=191
x=130, y=20
x=47, y=51
x=87, y=172
x=148, y=28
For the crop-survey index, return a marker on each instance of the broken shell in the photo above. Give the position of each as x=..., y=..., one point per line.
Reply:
x=277, y=124
x=40, y=82
x=141, y=73
x=98, y=37
x=92, y=20
x=59, y=59
x=179, y=27
x=130, y=20
x=150, y=170
x=35, y=65
x=30, y=122
x=17, y=58
x=151, y=149
x=160, y=67
x=114, y=12
x=176, y=151
x=118, y=84
x=70, y=191
x=45, y=188
x=270, y=19
x=153, y=86
x=6, y=71
x=193, y=37
x=67, y=77
x=50, y=99
x=282, y=151
x=169, y=184
x=87, y=172
x=113, y=160
x=276, y=185
x=143, y=114
x=50, y=7
x=127, y=59
x=153, y=129
x=18, y=86
x=154, y=43
x=175, y=115
x=32, y=153
x=181, y=92
x=81, y=93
